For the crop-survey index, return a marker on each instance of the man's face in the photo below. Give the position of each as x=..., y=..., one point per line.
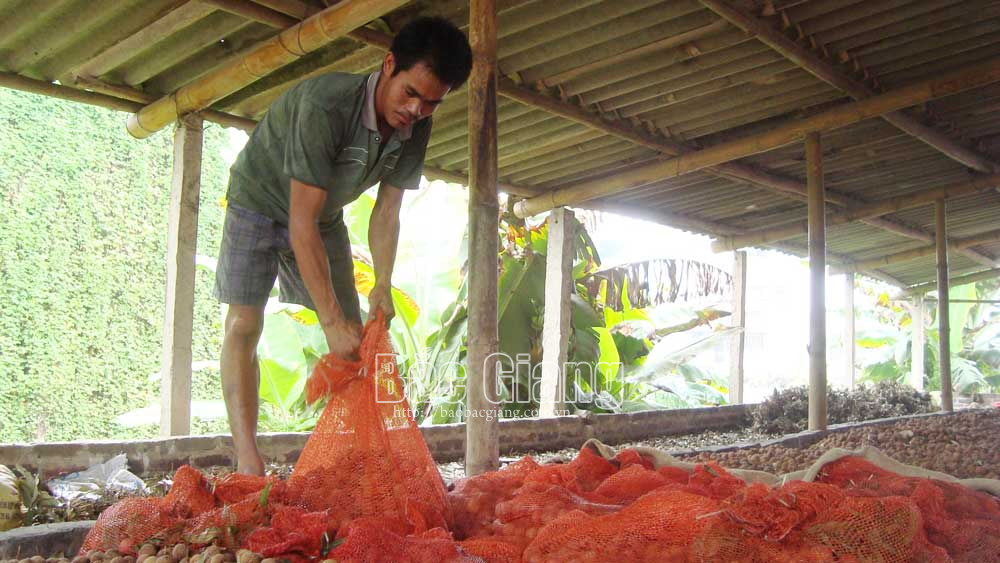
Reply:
x=409, y=96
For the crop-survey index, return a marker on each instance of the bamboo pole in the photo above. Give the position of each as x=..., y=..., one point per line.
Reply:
x=826, y=72
x=917, y=343
x=482, y=450
x=944, y=332
x=736, y=375
x=849, y=325
x=459, y=178
x=289, y=45
x=120, y=99
x=817, y=284
x=874, y=209
x=966, y=79
x=178, y=320
x=955, y=245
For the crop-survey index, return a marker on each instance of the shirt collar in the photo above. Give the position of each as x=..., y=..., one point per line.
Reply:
x=368, y=115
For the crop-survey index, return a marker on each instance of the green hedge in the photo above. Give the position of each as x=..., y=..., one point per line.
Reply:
x=83, y=214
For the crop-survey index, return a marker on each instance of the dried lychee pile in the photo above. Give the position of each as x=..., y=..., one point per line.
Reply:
x=965, y=445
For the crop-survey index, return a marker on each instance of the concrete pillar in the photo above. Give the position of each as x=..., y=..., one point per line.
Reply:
x=917, y=343
x=182, y=243
x=556, y=328
x=849, y=347
x=736, y=376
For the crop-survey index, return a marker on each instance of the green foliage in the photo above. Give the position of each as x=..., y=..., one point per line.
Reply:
x=289, y=347
x=787, y=411
x=34, y=497
x=83, y=212
x=885, y=335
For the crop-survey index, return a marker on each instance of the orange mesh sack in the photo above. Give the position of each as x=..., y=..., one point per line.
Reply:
x=658, y=527
x=132, y=521
x=958, y=520
x=473, y=501
x=367, y=456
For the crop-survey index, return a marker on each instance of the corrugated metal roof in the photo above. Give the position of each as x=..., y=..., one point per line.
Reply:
x=671, y=69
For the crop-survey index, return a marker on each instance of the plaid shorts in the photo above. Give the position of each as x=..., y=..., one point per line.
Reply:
x=256, y=250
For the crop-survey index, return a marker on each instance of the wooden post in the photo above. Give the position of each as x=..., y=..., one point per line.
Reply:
x=482, y=449
x=556, y=328
x=944, y=332
x=917, y=343
x=182, y=241
x=849, y=348
x=817, y=283
x=738, y=320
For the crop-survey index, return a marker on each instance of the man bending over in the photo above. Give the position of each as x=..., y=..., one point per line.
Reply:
x=319, y=147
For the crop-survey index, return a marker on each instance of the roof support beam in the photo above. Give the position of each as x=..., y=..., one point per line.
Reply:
x=255, y=12
x=875, y=209
x=736, y=171
x=108, y=96
x=820, y=68
x=955, y=245
x=923, y=288
x=730, y=170
x=289, y=45
x=966, y=79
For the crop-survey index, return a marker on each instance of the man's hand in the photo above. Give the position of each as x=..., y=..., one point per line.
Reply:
x=380, y=298
x=344, y=339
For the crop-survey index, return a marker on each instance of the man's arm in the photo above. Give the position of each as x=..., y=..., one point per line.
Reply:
x=342, y=337
x=383, y=237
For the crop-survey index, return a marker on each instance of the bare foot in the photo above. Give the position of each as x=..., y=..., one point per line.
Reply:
x=252, y=466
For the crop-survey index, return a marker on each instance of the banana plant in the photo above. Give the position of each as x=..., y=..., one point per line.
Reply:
x=884, y=341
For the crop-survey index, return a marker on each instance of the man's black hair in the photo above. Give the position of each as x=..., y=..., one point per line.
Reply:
x=437, y=43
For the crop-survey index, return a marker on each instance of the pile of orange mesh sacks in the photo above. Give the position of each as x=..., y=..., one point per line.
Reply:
x=366, y=489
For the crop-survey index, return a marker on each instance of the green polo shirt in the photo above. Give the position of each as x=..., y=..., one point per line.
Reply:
x=324, y=132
